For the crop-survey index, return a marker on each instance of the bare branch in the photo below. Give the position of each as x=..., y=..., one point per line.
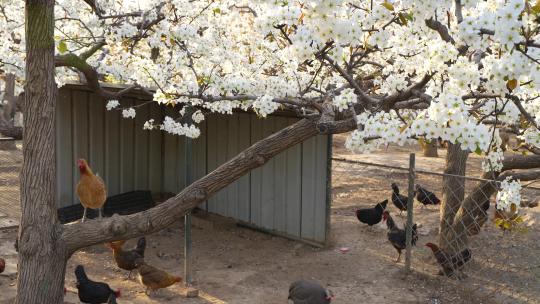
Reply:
x=363, y=96
x=389, y=101
x=458, y=12
x=441, y=29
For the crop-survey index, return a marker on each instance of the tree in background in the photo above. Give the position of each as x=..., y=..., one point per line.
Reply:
x=390, y=71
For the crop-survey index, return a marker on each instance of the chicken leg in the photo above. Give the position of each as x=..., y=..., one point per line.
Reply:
x=398, y=257
x=100, y=213
x=84, y=215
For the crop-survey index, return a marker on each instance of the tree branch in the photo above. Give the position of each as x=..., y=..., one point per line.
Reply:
x=389, y=101
x=441, y=29
x=79, y=235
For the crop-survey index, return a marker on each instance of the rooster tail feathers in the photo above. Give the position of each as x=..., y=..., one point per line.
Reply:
x=141, y=246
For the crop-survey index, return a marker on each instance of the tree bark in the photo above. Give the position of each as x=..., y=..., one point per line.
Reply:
x=453, y=194
x=42, y=258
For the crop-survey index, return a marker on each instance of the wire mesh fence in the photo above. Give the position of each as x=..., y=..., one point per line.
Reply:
x=10, y=165
x=470, y=259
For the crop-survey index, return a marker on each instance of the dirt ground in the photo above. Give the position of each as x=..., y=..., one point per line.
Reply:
x=238, y=265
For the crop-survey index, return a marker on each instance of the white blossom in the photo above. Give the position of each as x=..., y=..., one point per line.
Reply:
x=128, y=113
x=112, y=104
x=198, y=116
x=509, y=194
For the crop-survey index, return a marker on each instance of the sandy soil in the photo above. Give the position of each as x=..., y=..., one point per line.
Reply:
x=238, y=265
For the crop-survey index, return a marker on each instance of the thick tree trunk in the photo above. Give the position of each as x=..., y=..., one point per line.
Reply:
x=42, y=257
x=453, y=195
x=429, y=149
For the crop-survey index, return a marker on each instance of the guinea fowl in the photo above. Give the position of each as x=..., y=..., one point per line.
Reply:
x=426, y=197
x=396, y=236
x=400, y=201
x=93, y=292
x=372, y=216
x=450, y=263
x=309, y=292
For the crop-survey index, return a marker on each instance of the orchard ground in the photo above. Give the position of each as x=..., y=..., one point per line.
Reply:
x=238, y=265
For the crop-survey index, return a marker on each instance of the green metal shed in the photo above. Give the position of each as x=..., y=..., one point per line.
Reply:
x=288, y=196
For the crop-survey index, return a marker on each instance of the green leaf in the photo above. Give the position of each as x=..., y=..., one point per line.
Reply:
x=216, y=11
x=478, y=151
x=62, y=47
x=388, y=5
x=409, y=16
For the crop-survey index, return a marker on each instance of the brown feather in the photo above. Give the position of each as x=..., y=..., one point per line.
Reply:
x=154, y=278
x=91, y=189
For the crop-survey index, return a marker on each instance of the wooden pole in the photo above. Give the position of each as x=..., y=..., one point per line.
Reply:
x=187, y=218
x=410, y=205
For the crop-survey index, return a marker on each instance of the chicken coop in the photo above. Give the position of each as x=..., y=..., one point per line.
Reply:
x=288, y=196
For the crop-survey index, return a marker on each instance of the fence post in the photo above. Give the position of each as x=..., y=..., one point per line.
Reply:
x=187, y=218
x=410, y=204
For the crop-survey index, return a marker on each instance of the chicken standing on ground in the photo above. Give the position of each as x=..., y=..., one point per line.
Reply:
x=396, y=236
x=400, y=201
x=125, y=259
x=2, y=265
x=426, y=197
x=154, y=278
x=308, y=292
x=93, y=292
x=448, y=263
x=91, y=189
x=372, y=216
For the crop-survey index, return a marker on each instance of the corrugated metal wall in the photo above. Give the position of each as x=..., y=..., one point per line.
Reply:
x=287, y=195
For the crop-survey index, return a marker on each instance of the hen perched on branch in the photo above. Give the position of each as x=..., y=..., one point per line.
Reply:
x=91, y=189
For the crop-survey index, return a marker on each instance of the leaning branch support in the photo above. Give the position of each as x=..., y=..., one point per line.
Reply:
x=80, y=235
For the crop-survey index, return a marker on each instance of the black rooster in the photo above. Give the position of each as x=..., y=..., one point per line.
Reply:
x=426, y=197
x=372, y=216
x=308, y=292
x=450, y=263
x=400, y=201
x=93, y=292
x=396, y=236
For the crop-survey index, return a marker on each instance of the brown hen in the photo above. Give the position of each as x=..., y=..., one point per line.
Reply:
x=91, y=189
x=154, y=278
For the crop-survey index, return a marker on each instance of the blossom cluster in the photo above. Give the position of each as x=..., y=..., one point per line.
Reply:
x=509, y=194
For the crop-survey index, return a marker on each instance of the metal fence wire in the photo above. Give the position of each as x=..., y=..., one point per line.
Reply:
x=10, y=164
x=477, y=261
